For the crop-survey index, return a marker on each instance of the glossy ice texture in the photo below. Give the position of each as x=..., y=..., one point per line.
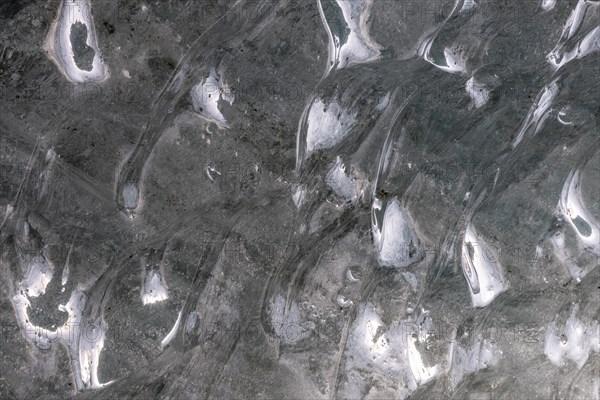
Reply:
x=277, y=199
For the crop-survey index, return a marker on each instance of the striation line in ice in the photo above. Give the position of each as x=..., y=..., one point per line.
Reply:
x=539, y=111
x=173, y=332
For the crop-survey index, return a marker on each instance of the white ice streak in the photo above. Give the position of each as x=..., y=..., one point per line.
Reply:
x=573, y=341
x=538, y=112
x=59, y=46
x=173, y=332
x=481, y=269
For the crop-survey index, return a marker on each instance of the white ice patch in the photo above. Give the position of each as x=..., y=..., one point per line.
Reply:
x=564, y=256
x=39, y=275
x=383, y=103
x=345, y=185
x=358, y=46
x=421, y=372
x=548, y=5
x=328, y=124
x=368, y=339
x=481, y=269
x=411, y=279
x=154, y=288
x=394, y=238
x=299, y=195
x=454, y=60
x=206, y=96
x=575, y=212
x=59, y=47
x=571, y=342
x=478, y=92
x=467, y=5
x=130, y=195
x=538, y=112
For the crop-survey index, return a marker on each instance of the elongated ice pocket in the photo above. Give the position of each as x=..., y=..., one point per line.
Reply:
x=574, y=211
x=72, y=44
x=481, y=269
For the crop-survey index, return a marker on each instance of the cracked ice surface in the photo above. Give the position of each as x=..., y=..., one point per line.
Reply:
x=277, y=199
